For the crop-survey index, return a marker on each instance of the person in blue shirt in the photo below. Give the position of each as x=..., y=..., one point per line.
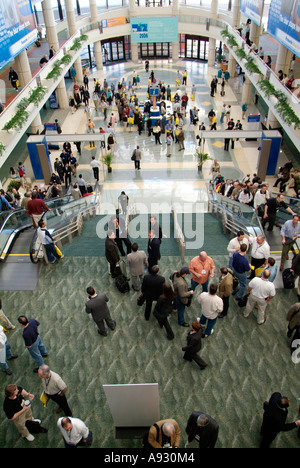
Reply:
x=290, y=232
x=4, y=205
x=241, y=267
x=273, y=268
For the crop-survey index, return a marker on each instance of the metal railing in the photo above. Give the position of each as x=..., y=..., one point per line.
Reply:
x=234, y=216
x=66, y=222
x=179, y=236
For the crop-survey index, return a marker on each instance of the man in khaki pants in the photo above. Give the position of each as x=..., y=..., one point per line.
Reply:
x=261, y=291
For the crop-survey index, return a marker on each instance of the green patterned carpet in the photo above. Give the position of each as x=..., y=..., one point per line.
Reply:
x=246, y=363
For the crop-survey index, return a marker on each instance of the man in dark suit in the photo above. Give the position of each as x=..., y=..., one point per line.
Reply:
x=117, y=224
x=202, y=429
x=194, y=345
x=96, y=305
x=274, y=419
x=152, y=289
x=112, y=253
x=153, y=250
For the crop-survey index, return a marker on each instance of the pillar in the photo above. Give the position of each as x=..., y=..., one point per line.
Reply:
x=175, y=51
x=134, y=53
x=283, y=59
x=132, y=7
x=214, y=8
x=231, y=65
x=69, y=7
x=51, y=33
x=175, y=7
x=247, y=92
x=236, y=14
x=211, y=52
x=272, y=122
x=97, y=45
x=25, y=76
x=254, y=33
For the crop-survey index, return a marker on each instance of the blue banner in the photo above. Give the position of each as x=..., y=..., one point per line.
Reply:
x=284, y=23
x=17, y=28
x=160, y=29
x=253, y=9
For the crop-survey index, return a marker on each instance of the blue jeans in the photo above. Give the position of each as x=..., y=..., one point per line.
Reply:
x=210, y=324
x=4, y=365
x=180, y=311
x=194, y=284
x=51, y=252
x=242, y=277
x=37, y=351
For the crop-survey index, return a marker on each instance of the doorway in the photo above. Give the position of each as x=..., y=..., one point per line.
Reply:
x=113, y=50
x=196, y=47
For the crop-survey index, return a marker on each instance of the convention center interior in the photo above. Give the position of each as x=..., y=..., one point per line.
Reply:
x=150, y=224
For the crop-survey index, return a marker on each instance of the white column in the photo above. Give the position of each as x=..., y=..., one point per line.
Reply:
x=132, y=7
x=175, y=51
x=211, y=52
x=231, y=65
x=69, y=7
x=134, y=53
x=175, y=8
x=97, y=45
x=254, y=33
x=272, y=122
x=24, y=74
x=214, y=8
x=283, y=59
x=51, y=33
x=247, y=92
x=236, y=14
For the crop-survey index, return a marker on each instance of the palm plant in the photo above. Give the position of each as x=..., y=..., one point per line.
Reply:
x=202, y=157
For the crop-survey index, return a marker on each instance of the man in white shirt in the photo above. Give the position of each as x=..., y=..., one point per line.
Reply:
x=261, y=197
x=211, y=307
x=235, y=245
x=95, y=164
x=260, y=291
x=55, y=388
x=75, y=433
x=259, y=254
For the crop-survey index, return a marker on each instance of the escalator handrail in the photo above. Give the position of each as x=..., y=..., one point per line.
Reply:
x=213, y=199
x=93, y=203
x=11, y=212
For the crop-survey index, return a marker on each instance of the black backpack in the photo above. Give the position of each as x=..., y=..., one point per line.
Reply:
x=288, y=279
x=122, y=284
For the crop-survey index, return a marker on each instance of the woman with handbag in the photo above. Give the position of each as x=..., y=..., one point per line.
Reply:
x=183, y=294
x=164, y=306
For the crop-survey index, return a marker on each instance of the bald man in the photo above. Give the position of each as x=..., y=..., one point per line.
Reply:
x=202, y=268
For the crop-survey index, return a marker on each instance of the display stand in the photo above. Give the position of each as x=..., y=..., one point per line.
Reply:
x=134, y=408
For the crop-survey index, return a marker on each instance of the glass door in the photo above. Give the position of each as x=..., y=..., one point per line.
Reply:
x=189, y=48
x=195, y=49
x=120, y=50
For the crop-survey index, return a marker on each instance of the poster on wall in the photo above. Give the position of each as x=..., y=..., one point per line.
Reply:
x=284, y=23
x=17, y=28
x=253, y=9
x=147, y=30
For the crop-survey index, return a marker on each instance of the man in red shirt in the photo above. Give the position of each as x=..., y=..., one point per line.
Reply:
x=36, y=208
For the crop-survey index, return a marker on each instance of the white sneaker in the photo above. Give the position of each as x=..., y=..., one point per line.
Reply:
x=30, y=438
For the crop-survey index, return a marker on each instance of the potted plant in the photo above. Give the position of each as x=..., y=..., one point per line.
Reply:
x=202, y=157
x=107, y=159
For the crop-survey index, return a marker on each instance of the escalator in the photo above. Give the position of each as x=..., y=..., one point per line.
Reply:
x=20, y=264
